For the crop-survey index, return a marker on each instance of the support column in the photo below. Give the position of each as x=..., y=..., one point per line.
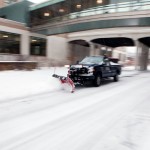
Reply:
x=2, y=3
x=97, y=50
x=109, y=52
x=141, y=56
x=103, y=50
x=144, y=57
x=25, y=44
x=92, y=49
x=100, y=50
x=57, y=51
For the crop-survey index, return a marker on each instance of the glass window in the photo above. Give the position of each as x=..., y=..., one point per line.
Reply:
x=92, y=60
x=110, y=8
x=123, y=7
x=99, y=10
x=87, y=13
x=38, y=46
x=9, y=43
x=145, y=4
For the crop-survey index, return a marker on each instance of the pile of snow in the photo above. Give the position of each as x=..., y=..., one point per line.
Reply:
x=17, y=83
x=112, y=117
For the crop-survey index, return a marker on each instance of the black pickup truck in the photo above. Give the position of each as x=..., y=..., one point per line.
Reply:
x=94, y=68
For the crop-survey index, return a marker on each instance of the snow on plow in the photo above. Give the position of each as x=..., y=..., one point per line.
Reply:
x=66, y=82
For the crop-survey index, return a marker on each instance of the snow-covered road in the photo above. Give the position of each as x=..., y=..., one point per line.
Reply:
x=115, y=116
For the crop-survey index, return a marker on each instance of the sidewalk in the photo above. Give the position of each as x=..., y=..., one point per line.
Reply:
x=129, y=73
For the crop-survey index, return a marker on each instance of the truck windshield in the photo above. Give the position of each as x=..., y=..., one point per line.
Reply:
x=92, y=60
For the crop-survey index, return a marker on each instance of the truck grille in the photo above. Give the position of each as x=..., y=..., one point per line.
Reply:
x=76, y=71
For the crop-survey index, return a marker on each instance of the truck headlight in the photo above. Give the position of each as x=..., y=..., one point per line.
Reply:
x=90, y=70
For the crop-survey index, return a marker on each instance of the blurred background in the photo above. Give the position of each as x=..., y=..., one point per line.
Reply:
x=59, y=32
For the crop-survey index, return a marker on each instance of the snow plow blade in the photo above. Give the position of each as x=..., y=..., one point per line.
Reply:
x=65, y=81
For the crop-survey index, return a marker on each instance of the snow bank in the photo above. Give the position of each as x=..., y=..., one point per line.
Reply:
x=25, y=83
x=18, y=83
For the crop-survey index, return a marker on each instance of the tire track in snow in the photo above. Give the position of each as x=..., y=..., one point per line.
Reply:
x=95, y=103
x=53, y=99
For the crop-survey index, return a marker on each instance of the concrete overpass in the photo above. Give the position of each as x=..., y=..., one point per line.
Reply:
x=111, y=38
x=74, y=29
x=87, y=35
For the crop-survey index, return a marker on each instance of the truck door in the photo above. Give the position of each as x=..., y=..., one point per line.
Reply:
x=107, y=68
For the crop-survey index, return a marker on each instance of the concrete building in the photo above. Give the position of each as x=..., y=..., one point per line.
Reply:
x=59, y=32
x=4, y=3
x=1, y=3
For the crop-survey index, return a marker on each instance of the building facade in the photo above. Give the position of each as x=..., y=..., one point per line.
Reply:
x=4, y=3
x=52, y=32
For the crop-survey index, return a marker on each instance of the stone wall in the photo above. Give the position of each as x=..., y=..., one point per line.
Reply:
x=20, y=65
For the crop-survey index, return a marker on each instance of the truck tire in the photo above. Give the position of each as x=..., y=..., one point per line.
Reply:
x=97, y=81
x=116, y=78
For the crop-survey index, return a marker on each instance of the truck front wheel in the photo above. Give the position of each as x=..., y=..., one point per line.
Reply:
x=97, y=80
x=116, y=78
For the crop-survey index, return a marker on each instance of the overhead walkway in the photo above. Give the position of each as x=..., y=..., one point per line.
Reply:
x=91, y=27
x=131, y=13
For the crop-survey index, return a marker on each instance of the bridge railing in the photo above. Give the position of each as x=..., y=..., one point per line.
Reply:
x=113, y=8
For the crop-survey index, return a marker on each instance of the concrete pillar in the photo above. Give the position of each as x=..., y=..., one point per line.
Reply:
x=58, y=51
x=100, y=50
x=1, y=3
x=48, y=47
x=137, y=44
x=103, y=50
x=92, y=49
x=25, y=44
x=144, y=57
x=141, y=56
x=97, y=49
x=109, y=52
